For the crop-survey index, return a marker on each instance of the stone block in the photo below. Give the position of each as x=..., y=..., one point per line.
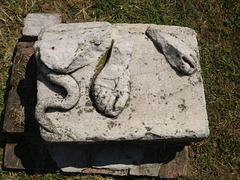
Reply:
x=122, y=82
x=164, y=161
x=34, y=23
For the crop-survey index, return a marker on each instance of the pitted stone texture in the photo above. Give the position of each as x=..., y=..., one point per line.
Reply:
x=62, y=103
x=34, y=23
x=67, y=47
x=164, y=104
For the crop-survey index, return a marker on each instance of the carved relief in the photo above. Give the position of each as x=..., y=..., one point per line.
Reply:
x=178, y=54
x=71, y=99
x=111, y=88
x=62, y=53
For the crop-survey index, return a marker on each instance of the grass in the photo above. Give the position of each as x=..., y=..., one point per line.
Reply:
x=217, y=23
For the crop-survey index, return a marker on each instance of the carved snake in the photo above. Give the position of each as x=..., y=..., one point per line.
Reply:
x=71, y=99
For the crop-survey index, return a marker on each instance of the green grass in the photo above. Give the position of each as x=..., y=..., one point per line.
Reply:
x=217, y=23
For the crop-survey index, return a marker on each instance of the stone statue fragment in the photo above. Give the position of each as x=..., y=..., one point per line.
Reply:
x=66, y=103
x=112, y=82
x=111, y=88
x=65, y=48
x=178, y=54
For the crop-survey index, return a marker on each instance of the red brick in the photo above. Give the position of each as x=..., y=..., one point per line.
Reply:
x=105, y=171
x=178, y=167
x=11, y=161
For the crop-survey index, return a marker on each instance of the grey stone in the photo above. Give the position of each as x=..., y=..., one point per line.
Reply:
x=65, y=48
x=34, y=23
x=117, y=71
x=145, y=170
x=70, y=158
x=111, y=88
x=65, y=103
x=178, y=54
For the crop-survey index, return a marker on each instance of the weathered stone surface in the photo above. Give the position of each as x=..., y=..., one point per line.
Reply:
x=178, y=54
x=164, y=104
x=111, y=88
x=22, y=154
x=34, y=23
x=65, y=48
x=66, y=103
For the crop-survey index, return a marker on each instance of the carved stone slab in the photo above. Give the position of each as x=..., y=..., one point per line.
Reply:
x=122, y=82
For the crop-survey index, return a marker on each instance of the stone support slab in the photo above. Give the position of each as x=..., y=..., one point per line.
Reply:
x=29, y=153
x=154, y=160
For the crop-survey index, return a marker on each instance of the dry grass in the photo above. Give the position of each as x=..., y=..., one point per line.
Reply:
x=217, y=23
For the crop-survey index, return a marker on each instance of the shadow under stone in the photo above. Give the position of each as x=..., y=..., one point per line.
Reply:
x=116, y=156
x=76, y=157
x=27, y=91
x=34, y=154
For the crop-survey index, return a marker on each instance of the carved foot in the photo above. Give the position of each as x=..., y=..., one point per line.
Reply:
x=111, y=89
x=178, y=54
